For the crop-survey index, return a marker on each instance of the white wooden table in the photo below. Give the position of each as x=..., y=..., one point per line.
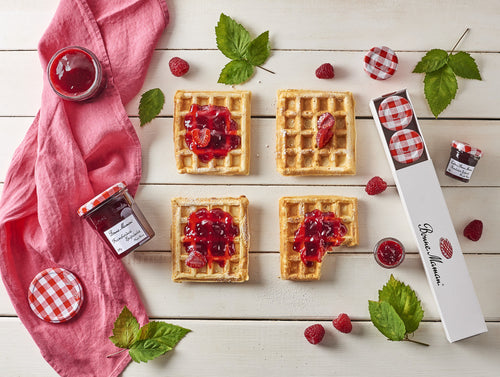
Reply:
x=256, y=328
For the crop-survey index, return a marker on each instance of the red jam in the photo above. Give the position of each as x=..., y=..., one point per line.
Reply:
x=319, y=232
x=463, y=160
x=220, y=137
x=389, y=252
x=75, y=73
x=210, y=233
x=118, y=220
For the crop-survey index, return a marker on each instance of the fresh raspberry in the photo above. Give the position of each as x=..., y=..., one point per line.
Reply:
x=325, y=71
x=196, y=259
x=375, y=186
x=343, y=323
x=315, y=333
x=474, y=230
x=179, y=67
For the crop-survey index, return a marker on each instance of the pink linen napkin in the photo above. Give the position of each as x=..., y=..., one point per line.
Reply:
x=72, y=152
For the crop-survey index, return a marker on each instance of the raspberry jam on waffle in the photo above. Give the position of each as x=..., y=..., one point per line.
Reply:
x=222, y=136
x=209, y=236
x=318, y=232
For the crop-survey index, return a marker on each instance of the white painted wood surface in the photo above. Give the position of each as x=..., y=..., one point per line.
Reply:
x=257, y=327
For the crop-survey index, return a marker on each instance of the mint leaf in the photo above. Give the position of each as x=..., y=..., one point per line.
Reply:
x=150, y=105
x=147, y=349
x=162, y=332
x=432, y=61
x=232, y=38
x=464, y=66
x=404, y=301
x=125, y=330
x=259, y=49
x=236, y=72
x=386, y=320
x=440, y=87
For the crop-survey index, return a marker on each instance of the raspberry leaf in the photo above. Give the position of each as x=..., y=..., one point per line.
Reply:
x=150, y=105
x=432, y=61
x=125, y=330
x=440, y=87
x=464, y=66
x=232, y=38
x=147, y=349
x=236, y=72
x=404, y=301
x=386, y=320
x=259, y=49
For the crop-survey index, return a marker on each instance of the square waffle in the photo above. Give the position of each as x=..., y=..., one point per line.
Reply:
x=292, y=211
x=237, y=160
x=297, y=114
x=236, y=268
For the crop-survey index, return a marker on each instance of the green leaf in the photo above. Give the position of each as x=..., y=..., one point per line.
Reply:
x=150, y=105
x=464, y=66
x=236, y=72
x=432, y=61
x=125, y=330
x=162, y=332
x=259, y=49
x=404, y=301
x=386, y=320
x=440, y=88
x=147, y=349
x=232, y=38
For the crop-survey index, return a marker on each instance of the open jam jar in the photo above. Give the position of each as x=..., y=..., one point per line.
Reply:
x=389, y=252
x=117, y=219
x=463, y=160
x=75, y=74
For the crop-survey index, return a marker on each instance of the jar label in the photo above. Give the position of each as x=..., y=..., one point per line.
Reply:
x=459, y=169
x=126, y=234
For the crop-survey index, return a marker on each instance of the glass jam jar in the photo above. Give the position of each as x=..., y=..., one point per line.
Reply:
x=389, y=252
x=75, y=74
x=117, y=219
x=463, y=160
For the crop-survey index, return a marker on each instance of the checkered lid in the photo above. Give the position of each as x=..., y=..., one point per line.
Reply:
x=464, y=147
x=381, y=63
x=395, y=113
x=406, y=146
x=55, y=295
x=101, y=198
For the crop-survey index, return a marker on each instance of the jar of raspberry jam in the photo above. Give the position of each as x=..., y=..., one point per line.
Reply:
x=389, y=252
x=463, y=160
x=75, y=74
x=117, y=219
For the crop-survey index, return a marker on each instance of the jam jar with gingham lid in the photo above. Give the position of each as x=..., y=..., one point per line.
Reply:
x=463, y=160
x=117, y=219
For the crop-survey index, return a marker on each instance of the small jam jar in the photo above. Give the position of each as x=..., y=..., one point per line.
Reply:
x=75, y=74
x=117, y=219
x=463, y=160
x=389, y=252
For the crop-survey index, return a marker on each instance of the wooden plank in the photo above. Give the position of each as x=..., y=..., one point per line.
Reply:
x=346, y=285
x=475, y=99
x=251, y=348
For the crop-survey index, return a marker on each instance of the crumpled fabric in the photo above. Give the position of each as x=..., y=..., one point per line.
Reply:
x=72, y=152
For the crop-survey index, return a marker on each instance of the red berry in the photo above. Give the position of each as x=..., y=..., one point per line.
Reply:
x=326, y=129
x=179, y=67
x=375, y=186
x=474, y=230
x=315, y=333
x=196, y=259
x=325, y=71
x=201, y=137
x=343, y=323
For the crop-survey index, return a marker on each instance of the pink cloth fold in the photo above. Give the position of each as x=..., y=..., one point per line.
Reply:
x=72, y=152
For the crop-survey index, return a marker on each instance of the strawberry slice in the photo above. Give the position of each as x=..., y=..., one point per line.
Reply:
x=201, y=137
x=326, y=129
x=196, y=259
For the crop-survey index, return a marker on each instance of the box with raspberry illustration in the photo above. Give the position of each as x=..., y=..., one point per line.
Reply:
x=428, y=215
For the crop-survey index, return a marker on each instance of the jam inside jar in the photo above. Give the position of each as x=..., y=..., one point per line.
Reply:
x=117, y=219
x=463, y=160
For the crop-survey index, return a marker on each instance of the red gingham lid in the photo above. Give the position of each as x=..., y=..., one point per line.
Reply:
x=381, y=63
x=101, y=198
x=55, y=295
x=395, y=113
x=406, y=146
x=464, y=147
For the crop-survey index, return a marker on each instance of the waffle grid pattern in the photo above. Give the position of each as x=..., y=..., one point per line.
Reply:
x=292, y=211
x=236, y=268
x=237, y=160
x=296, y=127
